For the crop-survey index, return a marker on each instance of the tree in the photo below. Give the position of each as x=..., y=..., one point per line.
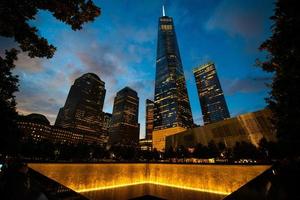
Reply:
x=213, y=149
x=283, y=61
x=170, y=153
x=245, y=150
x=201, y=151
x=14, y=17
x=8, y=86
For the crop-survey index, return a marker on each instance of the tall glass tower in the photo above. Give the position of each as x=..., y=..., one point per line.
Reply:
x=125, y=129
x=213, y=105
x=172, y=107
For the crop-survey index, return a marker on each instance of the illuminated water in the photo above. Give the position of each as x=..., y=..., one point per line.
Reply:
x=163, y=180
x=160, y=191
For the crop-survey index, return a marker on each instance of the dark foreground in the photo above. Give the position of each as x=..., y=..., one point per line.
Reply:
x=279, y=182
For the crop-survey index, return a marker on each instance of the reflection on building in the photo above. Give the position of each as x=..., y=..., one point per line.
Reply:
x=172, y=112
x=211, y=97
x=124, y=129
x=249, y=127
x=82, y=111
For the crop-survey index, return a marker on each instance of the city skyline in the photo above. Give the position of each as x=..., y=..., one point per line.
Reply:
x=242, y=82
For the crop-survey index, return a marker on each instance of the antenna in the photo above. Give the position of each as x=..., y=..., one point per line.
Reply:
x=163, y=11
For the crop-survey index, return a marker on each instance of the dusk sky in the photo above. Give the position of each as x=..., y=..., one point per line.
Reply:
x=120, y=47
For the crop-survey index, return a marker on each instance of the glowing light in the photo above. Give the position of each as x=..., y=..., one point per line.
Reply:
x=155, y=183
x=163, y=10
x=109, y=187
x=218, y=179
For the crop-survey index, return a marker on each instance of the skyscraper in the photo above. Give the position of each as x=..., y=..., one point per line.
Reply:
x=125, y=128
x=149, y=118
x=211, y=97
x=107, y=117
x=83, y=108
x=172, y=113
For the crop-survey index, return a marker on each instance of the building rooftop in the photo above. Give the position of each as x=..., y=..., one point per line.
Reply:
x=36, y=118
x=199, y=67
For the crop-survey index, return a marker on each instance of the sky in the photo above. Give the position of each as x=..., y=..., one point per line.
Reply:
x=120, y=47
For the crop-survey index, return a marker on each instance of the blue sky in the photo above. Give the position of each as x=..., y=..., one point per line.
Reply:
x=120, y=47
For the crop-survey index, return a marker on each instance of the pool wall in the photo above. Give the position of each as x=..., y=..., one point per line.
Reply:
x=221, y=179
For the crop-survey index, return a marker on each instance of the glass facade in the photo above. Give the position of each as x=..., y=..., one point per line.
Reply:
x=124, y=127
x=249, y=127
x=149, y=118
x=84, y=104
x=172, y=107
x=211, y=97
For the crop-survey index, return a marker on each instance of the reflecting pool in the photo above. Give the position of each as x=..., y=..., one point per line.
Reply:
x=169, y=181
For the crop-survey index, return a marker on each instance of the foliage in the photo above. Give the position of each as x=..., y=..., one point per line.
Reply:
x=15, y=14
x=45, y=150
x=8, y=85
x=283, y=61
x=170, y=153
x=14, y=23
x=209, y=151
x=245, y=150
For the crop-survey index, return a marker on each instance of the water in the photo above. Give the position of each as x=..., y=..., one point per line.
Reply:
x=164, y=192
x=169, y=181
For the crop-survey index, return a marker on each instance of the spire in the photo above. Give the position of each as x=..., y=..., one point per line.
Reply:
x=163, y=11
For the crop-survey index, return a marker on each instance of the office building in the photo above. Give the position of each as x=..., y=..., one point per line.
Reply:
x=249, y=127
x=211, y=96
x=172, y=111
x=149, y=118
x=124, y=129
x=83, y=108
x=37, y=128
x=107, y=119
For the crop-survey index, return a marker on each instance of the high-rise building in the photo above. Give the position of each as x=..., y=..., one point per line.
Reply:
x=149, y=118
x=172, y=111
x=211, y=97
x=107, y=118
x=125, y=128
x=83, y=108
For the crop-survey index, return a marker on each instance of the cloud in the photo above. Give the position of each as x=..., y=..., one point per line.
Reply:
x=243, y=18
x=104, y=63
x=138, y=35
x=38, y=99
x=26, y=63
x=245, y=85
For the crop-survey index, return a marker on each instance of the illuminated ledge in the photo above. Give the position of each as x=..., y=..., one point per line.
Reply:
x=155, y=183
x=85, y=177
